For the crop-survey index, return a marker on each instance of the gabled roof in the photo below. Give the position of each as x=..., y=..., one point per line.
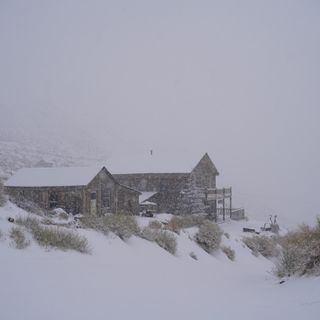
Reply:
x=53, y=177
x=154, y=163
x=129, y=188
x=206, y=161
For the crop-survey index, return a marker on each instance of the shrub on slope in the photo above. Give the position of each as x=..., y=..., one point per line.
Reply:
x=164, y=239
x=300, y=252
x=264, y=245
x=209, y=236
x=55, y=237
x=182, y=222
x=123, y=226
x=230, y=253
x=18, y=238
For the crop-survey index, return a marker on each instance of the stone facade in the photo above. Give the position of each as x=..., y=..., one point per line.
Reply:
x=102, y=195
x=174, y=188
x=177, y=193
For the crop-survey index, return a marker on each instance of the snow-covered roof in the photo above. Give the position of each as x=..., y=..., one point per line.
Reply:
x=148, y=203
x=153, y=163
x=52, y=177
x=145, y=196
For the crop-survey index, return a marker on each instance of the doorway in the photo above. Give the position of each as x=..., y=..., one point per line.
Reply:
x=93, y=203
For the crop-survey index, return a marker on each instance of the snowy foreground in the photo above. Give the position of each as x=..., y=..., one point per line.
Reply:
x=139, y=280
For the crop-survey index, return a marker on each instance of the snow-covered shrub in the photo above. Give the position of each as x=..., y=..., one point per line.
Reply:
x=289, y=262
x=31, y=223
x=192, y=220
x=60, y=213
x=230, y=253
x=300, y=252
x=155, y=225
x=56, y=237
x=167, y=241
x=209, y=236
x=182, y=222
x=148, y=233
x=95, y=223
x=122, y=225
x=164, y=239
x=174, y=225
x=264, y=245
x=18, y=238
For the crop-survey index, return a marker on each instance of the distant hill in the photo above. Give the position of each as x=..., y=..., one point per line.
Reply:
x=15, y=155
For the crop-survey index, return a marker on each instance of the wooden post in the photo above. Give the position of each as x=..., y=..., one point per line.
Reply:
x=230, y=202
x=224, y=205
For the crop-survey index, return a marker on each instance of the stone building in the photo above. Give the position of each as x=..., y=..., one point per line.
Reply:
x=192, y=190
x=77, y=190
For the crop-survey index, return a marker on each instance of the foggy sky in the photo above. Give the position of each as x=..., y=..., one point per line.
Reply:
x=237, y=79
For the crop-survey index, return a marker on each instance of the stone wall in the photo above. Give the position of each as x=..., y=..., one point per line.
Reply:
x=167, y=185
x=174, y=189
x=67, y=198
x=107, y=194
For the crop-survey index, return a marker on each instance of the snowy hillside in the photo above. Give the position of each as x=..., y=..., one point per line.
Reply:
x=15, y=155
x=137, y=279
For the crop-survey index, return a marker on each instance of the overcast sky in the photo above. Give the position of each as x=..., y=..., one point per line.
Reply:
x=237, y=79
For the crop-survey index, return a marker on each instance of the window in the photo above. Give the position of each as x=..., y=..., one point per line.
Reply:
x=93, y=196
x=106, y=198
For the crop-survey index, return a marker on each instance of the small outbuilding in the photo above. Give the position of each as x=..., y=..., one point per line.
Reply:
x=91, y=191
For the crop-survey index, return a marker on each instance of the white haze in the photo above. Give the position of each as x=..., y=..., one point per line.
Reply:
x=237, y=79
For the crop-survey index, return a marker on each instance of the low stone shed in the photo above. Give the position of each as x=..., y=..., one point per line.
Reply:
x=91, y=191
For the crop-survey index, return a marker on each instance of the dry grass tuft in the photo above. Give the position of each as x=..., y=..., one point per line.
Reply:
x=18, y=238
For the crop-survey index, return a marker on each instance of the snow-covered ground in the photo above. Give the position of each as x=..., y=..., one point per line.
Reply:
x=139, y=280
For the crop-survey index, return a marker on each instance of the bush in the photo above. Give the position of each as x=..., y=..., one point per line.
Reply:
x=174, y=225
x=148, y=234
x=124, y=226
x=230, y=253
x=209, y=236
x=164, y=239
x=55, y=237
x=95, y=223
x=155, y=225
x=29, y=222
x=264, y=245
x=183, y=222
x=300, y=252
x=18, y=239
x=289, y=262
x=61, y=239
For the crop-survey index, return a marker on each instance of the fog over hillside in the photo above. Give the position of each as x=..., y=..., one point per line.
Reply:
x=83, y=81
